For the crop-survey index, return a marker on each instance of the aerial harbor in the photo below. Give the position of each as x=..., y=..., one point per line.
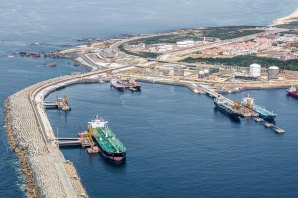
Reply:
x=149, y=99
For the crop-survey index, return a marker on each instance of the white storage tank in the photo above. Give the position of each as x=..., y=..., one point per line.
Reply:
x=206, y=72
x=273, y=72
x=201, y=74
x=255, y=70
x=178, y=70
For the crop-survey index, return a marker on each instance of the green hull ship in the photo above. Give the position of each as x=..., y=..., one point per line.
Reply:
x=111, y=147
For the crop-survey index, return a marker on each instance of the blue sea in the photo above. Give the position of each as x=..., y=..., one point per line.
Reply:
x=177, y=144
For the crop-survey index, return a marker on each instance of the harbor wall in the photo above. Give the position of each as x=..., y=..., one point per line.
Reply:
x=47, y=173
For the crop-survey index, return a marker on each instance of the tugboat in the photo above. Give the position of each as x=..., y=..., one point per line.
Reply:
x=292, y=91
x=248, y=102
x=110, y=146
x=132, y=85
x=117, y=84
x=227, y=109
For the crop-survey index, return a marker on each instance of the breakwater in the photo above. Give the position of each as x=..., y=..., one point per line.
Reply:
x=47, y=173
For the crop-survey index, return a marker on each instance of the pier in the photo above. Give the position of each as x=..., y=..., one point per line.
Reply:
x=243, y=110
x=270, y=125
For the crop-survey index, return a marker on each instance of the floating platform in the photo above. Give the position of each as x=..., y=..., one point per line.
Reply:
x=93, y=149
x=268, y=124
x=61, y=104
x=257, y=119
x=279, y=131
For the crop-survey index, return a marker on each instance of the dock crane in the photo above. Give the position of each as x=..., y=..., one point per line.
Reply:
x=92, y=149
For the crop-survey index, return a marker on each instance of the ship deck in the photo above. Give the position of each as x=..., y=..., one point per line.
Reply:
x=111, y=143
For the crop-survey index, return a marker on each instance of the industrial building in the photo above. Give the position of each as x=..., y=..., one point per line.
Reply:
x=186, y=43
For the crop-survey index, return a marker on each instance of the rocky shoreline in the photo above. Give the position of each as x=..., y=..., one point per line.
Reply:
x=31, y=190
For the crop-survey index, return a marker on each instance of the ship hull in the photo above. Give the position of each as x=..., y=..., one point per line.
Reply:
x=111, y=156
x=293, y=94
x=138, y=87
x=232, y=115
x=269, y=118
x=119, y=88
x=263, y=113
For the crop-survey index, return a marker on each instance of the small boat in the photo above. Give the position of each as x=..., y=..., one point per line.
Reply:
x=292, y=91
x=117, y=84
x=52, y=64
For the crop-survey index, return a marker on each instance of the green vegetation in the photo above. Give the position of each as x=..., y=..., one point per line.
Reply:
x=290, y=32
x=246, y=60
x=292, y=25
x=229, y=32
x=172, y=38
x=140, y=54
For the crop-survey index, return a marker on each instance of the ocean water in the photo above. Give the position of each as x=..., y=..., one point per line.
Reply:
x=179, y=145
x=47, y=26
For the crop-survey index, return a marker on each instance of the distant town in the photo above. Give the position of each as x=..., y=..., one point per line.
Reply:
x=228, y=59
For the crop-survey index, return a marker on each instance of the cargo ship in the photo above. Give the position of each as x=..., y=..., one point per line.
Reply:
x=292, y=91
x=227, y=109
x=117, y=84
x=248, y=102
x=111, y=147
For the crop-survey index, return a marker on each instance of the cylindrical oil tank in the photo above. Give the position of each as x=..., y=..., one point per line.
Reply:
x=206, y=72
x=201, y=74
x=255, y=70
x=273, y=72
x=178, y=70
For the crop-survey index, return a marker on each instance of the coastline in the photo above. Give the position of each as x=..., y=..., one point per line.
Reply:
x=30, y=187
x=38, y=162
x=47, y=173
x=287, y=19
